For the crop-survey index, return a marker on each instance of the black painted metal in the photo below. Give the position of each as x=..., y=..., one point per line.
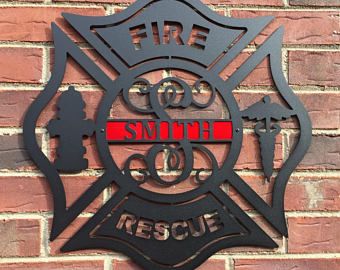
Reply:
x=167, y=231
x=266, y=111
x=70, y=127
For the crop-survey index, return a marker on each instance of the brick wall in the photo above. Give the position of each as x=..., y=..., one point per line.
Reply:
x=311, y=62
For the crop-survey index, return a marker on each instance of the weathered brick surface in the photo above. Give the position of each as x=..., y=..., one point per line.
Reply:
x=14, y=105
x=303, y=193
x=272, y=233
x=313, y=234
x=318, y=3
x=19, y=238
x=250, y=155
x=210, y=2
x=287, y=264
x=246, y=2
x=54, y=247
x=32, y=194
x=74, y=73
x=322, y=154
x=261, y=75
x=313, y=193
x=301, y=27
x=39, y=18
x=63, y=265
x=13, y=155
x=20, y=64
x=314, y=68
x=258, y=184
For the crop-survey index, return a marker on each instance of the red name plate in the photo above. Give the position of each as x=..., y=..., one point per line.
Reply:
x=128, y=131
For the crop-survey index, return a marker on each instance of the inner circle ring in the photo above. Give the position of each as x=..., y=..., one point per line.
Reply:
x=125, y=81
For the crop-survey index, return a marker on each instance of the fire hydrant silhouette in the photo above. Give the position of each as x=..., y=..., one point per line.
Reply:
x=71, y=127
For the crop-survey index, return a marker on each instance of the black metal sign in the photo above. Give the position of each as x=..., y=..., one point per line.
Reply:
x=161, y=230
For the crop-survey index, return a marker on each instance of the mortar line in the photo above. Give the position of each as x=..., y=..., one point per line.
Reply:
x=231, y=263
x=285, y=63
x=46, y=65
x=249, y=48
x=108, y=263
x=286, y=3
x=243, y=255
x=241, y=172
x=44, y=248
x=309, y=89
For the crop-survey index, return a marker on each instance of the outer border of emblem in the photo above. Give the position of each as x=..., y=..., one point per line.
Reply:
x=63, y=215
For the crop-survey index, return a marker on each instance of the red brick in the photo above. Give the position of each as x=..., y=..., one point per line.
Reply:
x=61, y=265
x=245, y=2
x=74, y=73
x=19, y=238
x=91, y=98
x=320, y=107
x=33, y=1
x=261, y=75
x=314, y=68
x=120, y=153
x=313, y=234
x=23, y=20
x=272, y=233
x=20, y=64
x=302, y=193
x=287, y=264
x=125, y=265
x=323, y=109
x=184, y=186
x=211, y=264
x=257, y=183
x=313, y=193
x=301, y=27
x=209, y=2
x=54, y=247
x=13, y=154
x=14, y=105
x=322, y=154
x=250, y=155
x=120, y=109
x=319, y=3
x=31, y=194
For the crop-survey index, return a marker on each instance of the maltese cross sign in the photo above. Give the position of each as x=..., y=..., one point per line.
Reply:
x=172, y=125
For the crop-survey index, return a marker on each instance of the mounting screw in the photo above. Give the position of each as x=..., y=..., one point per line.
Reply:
x=238, y=130
x=102, y=130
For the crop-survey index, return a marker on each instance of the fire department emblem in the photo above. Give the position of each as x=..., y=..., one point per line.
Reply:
x=170, y=206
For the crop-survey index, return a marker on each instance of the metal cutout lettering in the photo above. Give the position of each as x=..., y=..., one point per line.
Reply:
x=157, y=228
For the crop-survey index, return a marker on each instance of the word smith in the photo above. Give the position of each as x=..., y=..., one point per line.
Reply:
x=133, y=131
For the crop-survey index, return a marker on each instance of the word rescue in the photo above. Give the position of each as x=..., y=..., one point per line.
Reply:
x=162, y=231
x=130, y=131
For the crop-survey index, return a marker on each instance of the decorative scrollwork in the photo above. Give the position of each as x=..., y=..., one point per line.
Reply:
x=174, y=163
x=170, y=92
